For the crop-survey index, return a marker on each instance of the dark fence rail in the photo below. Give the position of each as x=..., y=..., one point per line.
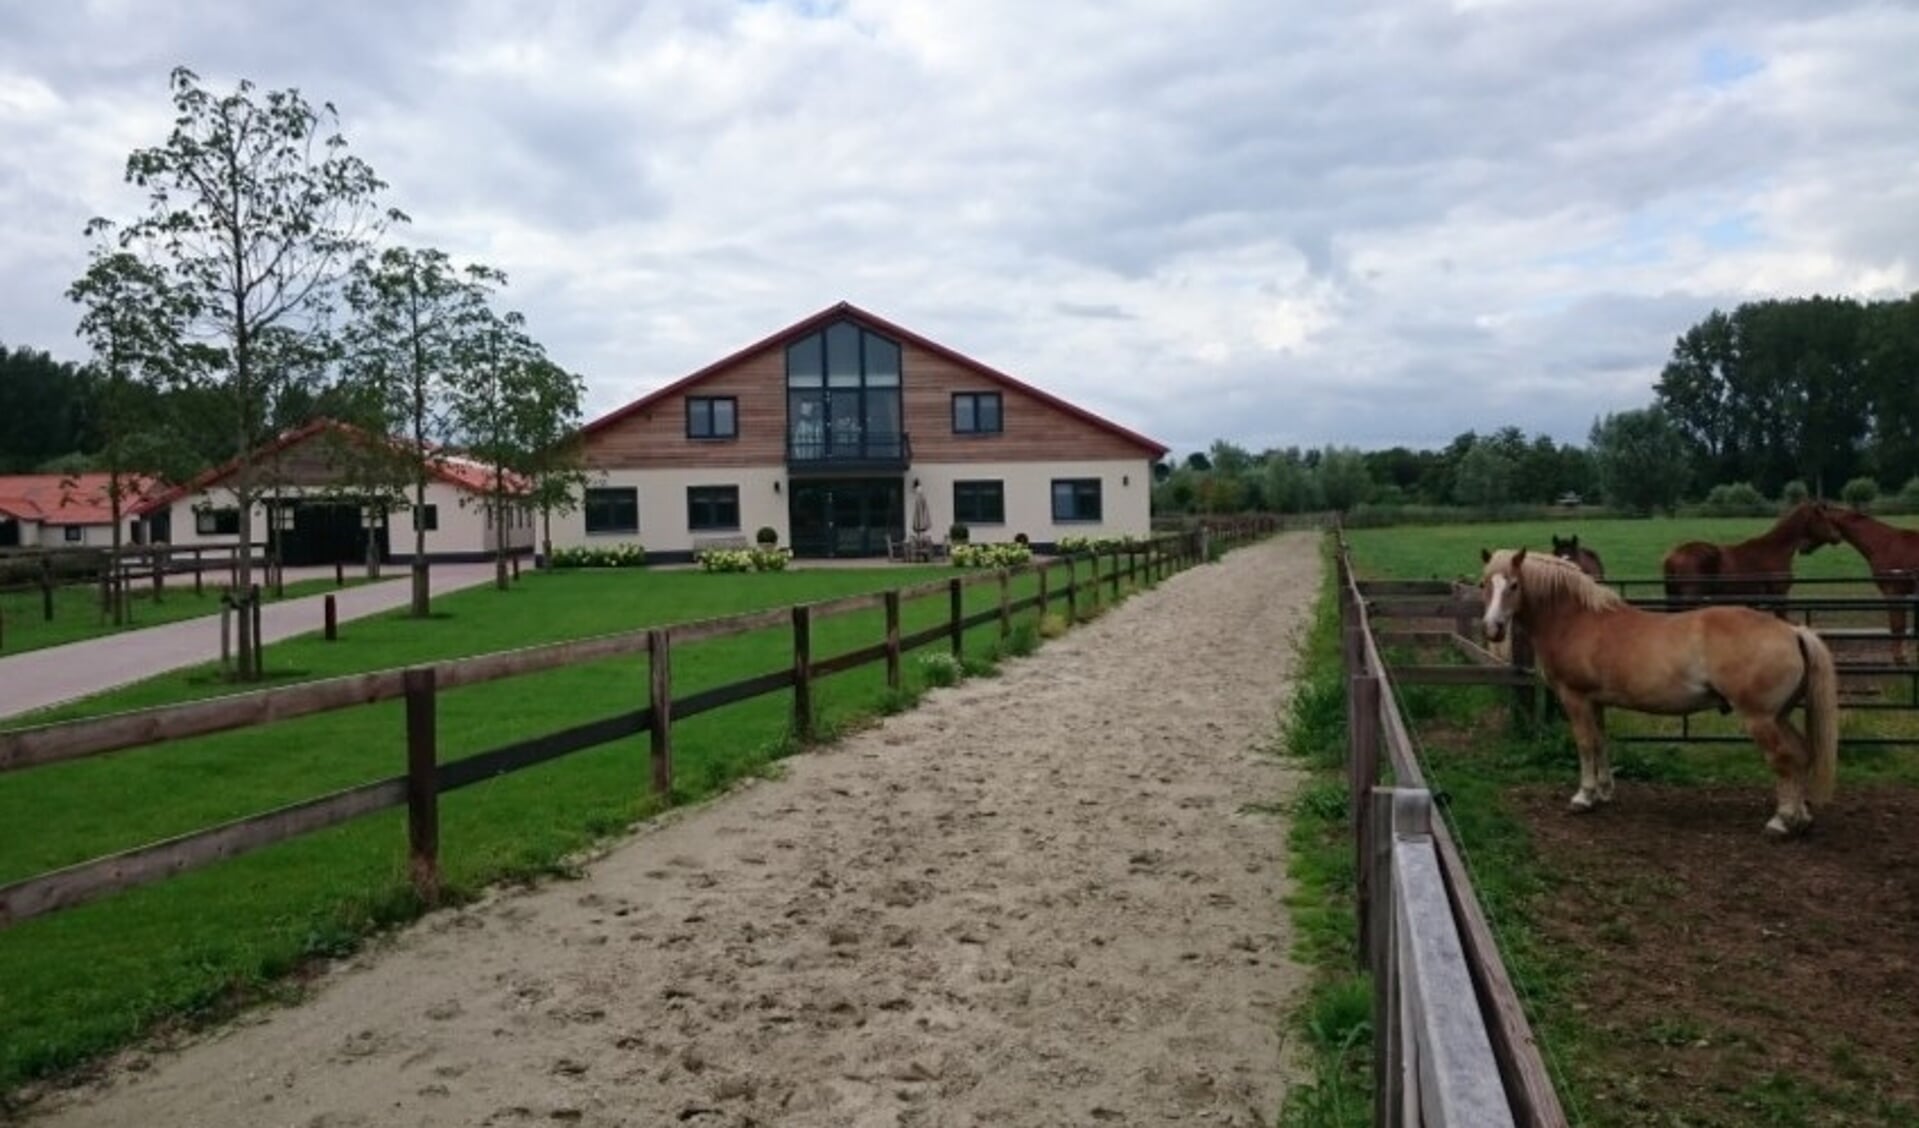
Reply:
x=427, y=777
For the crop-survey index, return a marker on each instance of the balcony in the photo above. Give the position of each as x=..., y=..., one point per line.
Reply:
x=852, y=451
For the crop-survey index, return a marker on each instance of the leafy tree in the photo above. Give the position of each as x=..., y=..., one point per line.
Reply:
x=42, y=414
x=1794, y=492
x=1484, y=478
x=1640, y=459
x=255, y=212
x=1290, y=486
x=1198, y=461
x=555, y=469
x=1343, y=481
x=1860, y=492
x=415, y=317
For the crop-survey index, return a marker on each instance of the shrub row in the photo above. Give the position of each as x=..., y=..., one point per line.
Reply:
x=600, y=556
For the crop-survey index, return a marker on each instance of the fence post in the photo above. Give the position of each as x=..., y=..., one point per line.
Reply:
x=516, y=567
x=46, y=588
x=422, y=783
x=893, y=639
x=1526, y=696
x=226, y=632
x=956, y=616
x=1112, y=568
x=3, y=628
x=659, y=663
x=199, y=587
x=331, y=620
x=803, y=672
x=1072, y=591
x=1362, y=772
x=1384, y=946
x=1462, y=618
x=1044, y=595
x=339, y=573
x=1005, y=605
x=259, y=644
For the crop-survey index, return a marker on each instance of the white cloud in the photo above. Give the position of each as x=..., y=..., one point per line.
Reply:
x=1271, y=222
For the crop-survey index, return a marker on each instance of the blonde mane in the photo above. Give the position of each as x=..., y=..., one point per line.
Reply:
x=1545, y=577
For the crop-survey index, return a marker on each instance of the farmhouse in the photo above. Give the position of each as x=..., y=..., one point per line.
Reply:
x=829, y=429
x=308, y=489
x=64, y=510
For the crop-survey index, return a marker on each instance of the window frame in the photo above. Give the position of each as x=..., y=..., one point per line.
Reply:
x=975, y=398
x=712, y=433
x=75, y=534
x=587, y=507
x=727, y=494
x=1077, y=516
x=207, y=522
x=427, y=517
x=977, y=488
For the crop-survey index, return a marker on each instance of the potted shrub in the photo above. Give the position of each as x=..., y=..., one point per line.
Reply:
x=768, y=536
x=959, y=534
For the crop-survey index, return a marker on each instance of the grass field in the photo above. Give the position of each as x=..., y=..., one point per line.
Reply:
x=81, y=981
x=1486, y=770
x=77, y=616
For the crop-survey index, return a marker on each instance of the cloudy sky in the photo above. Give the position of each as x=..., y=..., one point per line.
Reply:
x=1273, y=221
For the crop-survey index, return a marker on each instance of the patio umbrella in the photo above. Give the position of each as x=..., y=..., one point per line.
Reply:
x=922, y=513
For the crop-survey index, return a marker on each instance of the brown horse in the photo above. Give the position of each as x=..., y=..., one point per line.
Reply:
x=1893, y=556
x=1586, y=558
x=1594, y=650
x=1761, y=566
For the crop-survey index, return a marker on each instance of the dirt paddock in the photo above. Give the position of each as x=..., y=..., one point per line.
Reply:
x=1050, y=897
x=1716, y=959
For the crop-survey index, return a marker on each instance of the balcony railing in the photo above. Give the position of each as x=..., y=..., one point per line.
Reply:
x=859, y=451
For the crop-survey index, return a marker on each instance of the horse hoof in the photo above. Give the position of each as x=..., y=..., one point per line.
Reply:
x=1777, y=829
x=1582, y=803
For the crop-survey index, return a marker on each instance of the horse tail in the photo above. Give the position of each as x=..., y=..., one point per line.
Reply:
x=1822, y=712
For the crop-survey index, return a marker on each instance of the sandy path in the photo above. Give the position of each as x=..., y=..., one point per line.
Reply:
x=1038, y=899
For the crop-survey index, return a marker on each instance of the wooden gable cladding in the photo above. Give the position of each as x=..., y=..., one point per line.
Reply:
x=655, y=436
x=1032, y=429
x=312, y=462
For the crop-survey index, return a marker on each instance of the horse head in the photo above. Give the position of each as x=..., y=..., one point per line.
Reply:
x=1817, y=526
x=1500, y=589
x=1567, y=549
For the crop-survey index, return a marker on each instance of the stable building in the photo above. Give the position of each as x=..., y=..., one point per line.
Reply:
x=827, y=429
x=67, y=510
x=308, y=501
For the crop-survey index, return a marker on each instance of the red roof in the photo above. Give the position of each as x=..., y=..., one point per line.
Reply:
x=70, y=499
x=848, y=310
x=452, y=469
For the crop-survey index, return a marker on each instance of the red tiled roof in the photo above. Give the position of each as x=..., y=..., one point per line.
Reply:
x=849, y=310
x=452, y=469
x=70, y=499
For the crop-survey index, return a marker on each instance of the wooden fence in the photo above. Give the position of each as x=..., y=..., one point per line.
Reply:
x=426, y=776
x=1451, y=1044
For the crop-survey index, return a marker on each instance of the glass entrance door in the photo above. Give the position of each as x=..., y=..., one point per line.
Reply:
x=848, y=517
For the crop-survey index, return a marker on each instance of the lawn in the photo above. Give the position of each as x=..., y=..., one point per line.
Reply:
x=77, y=615
x=75, y=983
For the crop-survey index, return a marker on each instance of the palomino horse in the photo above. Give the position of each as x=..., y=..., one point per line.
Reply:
x=1594, y=650
x=1586, y=558
x=1762, y=566
x=1893, y=556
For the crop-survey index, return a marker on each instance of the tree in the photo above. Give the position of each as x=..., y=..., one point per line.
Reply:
x=491, y=411
x=1484, y=477
x=42, y=415
x=554, y=469
x=134, y=323
x=1290, y=487
x=414, y=316
x=1343, y=481
x=255, y=211
x=1640, y=459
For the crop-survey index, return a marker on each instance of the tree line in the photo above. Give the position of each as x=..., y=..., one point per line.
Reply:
x=1779, y=399
x=262, y=285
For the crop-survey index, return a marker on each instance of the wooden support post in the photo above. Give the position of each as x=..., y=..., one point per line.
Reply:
x=339, y=573
x=1462, y=618
x=1044, y=595
x=422, y=783
x=1362, y=764
x=1005, y=605
x=1072, y=591
x=893, y=640
x=1380, y=956
x=803, y=672
x=659, y=699
x=956, y=615
x=46, y=588
x=332, y=620
x=199, y=587
x=159, y=580
x=1112, y=568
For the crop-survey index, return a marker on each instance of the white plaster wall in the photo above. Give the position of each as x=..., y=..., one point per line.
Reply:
x=1125, y=497
x=462, y=528
x=662, y=495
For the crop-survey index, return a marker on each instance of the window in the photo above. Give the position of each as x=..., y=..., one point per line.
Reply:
x=712, y=417
x=427, y=517
x=612, y=510
x=75, y=533
x=843, y=396
x=976, y=413
x=1075, y=499
x=710, y=508
x=979, y=503
x=216, y=522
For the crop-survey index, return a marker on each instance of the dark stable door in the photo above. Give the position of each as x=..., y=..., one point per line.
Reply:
x=846, y=518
